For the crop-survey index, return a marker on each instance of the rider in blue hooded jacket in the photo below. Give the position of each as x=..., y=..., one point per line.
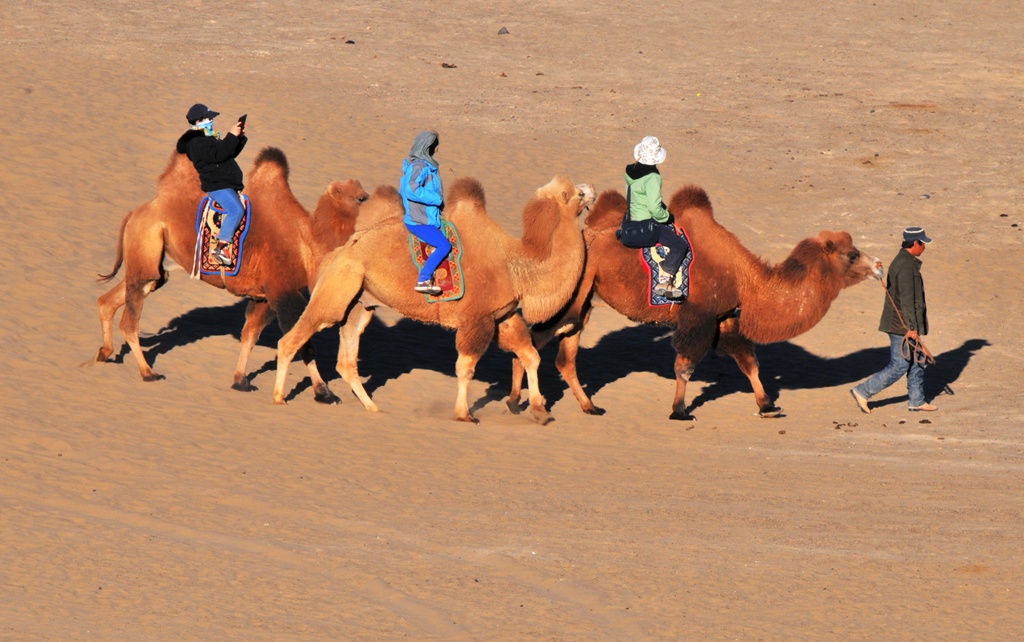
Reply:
x=423, y=197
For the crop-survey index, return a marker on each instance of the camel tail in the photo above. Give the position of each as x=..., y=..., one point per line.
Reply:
x=607, y=211
x=690, y=196
x=120, y=252
x=272, y=156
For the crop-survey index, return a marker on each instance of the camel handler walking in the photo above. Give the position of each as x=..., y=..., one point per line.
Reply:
x=219, y=173
x=905, y=320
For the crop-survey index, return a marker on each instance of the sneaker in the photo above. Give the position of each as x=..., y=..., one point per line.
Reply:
x=428, y=287
x=862, y=402
x=663, y=286
x=927, y=407
x=672, y=292
x=221, y=254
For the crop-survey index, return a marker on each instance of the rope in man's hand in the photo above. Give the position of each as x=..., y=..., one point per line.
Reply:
x=912, y=348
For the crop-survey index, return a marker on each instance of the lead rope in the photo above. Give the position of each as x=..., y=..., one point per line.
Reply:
x=910, y=349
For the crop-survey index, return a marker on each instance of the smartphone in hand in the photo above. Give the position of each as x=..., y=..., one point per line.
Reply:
x=241, y=120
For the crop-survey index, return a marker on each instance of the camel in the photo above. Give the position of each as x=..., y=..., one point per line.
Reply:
x=282, y=252
x=736, y=299
x=537, y=273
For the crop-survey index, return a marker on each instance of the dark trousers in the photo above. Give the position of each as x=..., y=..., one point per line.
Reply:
x=677, y=247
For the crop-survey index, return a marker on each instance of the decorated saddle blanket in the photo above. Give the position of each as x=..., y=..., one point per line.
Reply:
x=652, y=258
x=208, y=222
x=448, y=275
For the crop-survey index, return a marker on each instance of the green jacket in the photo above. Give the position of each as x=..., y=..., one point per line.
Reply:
x=644, y=183
x=906, y=287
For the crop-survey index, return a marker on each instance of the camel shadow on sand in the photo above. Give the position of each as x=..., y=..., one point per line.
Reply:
x=387, y=353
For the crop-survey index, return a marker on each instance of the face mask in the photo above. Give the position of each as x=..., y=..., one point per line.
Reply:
x=206, y=126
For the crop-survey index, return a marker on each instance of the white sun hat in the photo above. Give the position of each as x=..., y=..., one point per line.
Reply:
x=649, y=151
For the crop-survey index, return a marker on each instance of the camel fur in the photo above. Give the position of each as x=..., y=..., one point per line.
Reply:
x=283, y=250
x=736, y=299
x=537, y=273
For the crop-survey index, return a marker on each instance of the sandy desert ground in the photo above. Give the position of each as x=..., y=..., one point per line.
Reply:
x=184, y=510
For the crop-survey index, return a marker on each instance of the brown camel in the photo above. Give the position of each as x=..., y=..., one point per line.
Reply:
x=283, y=248
x=736, y=299
x=537, y=273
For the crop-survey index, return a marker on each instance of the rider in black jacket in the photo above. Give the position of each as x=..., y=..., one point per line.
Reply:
x=219, y=173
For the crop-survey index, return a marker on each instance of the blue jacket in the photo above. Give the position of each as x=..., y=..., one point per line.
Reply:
x=421, y=193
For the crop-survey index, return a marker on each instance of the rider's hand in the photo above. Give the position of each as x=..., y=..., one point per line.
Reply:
x=237, y=129
x=912, y=335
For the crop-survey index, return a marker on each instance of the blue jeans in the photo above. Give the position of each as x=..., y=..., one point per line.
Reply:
x=435, y=237
x=898, y=366
x=233, y=211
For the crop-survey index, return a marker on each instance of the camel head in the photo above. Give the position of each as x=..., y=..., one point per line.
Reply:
x=350, y=191
x=571, y=198
x=334, y=218
x=852, y=265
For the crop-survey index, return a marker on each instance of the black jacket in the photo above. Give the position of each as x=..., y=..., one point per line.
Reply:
x=214, y=159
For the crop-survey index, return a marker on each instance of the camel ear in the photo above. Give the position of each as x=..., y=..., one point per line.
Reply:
x=565, y=197
x=830, y=247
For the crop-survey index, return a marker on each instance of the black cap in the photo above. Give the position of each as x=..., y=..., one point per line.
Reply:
x=198, y=112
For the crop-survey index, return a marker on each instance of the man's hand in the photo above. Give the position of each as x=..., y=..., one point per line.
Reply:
x=236, y=130
x=912, y=335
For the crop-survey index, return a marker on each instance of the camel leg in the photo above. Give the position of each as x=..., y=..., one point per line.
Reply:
x=568, y=330
x=257, y=316
x=135, y=295
x=290, y=310
x=692, y=340
x=328, y=304
x=741, y=349
x=471, y=341
x=514, y=336
x=568, y=349
x=109, y=303
x=348, y=353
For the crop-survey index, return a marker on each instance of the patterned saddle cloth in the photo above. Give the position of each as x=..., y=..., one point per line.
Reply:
x=448, y=275
x=652, y=258
x=208, y=221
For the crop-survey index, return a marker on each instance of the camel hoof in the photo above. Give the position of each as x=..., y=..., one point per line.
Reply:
x=594, y=410
x=243, y=385
x=470, y=419
x=681, y=416
x=327, y=397
x=153, y=377
x=103, y=355
x=513, y=406
x=772, y=412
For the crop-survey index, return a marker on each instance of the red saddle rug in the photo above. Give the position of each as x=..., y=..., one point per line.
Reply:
x=652, y=258
x=208, y=220
x=448, y=275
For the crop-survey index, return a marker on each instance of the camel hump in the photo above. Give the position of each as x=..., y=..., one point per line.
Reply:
x=466, y=189
x=607, y=210
x=272, y=156
x=690, y=196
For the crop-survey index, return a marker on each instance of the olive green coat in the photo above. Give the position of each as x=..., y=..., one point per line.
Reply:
x=906, y=287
